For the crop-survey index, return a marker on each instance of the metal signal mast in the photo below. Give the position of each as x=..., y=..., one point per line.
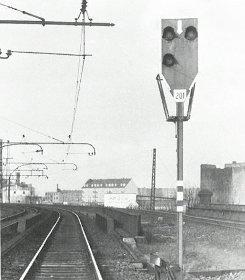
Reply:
x=179, y=69
x=153, y=181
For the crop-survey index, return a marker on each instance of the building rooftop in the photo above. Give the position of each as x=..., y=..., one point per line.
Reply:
x=235, y=164
x=107, y=183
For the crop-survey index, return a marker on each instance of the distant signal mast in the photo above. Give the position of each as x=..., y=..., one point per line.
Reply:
x=153, y=181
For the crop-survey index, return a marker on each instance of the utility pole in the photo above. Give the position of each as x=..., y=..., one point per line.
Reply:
x=153, y=181
x=1, y=170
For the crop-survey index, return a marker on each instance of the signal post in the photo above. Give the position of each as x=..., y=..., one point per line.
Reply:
x=179, y=69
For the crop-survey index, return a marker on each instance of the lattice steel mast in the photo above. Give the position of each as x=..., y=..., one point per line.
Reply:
x=153, y=181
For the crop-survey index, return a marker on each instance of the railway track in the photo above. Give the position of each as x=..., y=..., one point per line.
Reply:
x=217, y=222
x=191, y=218
x=64, y=254
x=28, y=212
x=14, y=216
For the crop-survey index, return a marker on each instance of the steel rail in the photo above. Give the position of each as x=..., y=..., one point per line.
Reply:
x=38, y=251
x=98, y=274
x=27, y=270
x=217, y=222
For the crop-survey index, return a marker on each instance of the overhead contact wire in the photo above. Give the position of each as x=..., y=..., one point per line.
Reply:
x=31, y=129
x=78, y=82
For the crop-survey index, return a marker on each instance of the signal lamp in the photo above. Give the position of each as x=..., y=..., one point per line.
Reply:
x=168, y=33
x=169, y=60
x=191, y=33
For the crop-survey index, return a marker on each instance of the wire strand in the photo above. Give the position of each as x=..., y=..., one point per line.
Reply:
x=31, y=129
x=50, y=53
x=80, y=72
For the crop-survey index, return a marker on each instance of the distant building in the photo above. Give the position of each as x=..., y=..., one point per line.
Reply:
x=226, y=184
x=64, y=196
x=19, y=193
x=95, y=189
x=53, y=197
x=73, y=197
x=165, y=198
x=161, y=192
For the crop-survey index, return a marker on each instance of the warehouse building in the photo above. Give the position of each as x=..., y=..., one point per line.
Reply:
x=226, y=185
x=94, y=190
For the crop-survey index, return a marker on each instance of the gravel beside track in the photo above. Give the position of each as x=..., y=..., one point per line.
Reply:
x=9, y=210
x=230, y=276
x=113, y=260
x=205, y=247
x=15, y=261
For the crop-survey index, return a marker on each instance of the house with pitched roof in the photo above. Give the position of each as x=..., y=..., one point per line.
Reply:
x=95, y=189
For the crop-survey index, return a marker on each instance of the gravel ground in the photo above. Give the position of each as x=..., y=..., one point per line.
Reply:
x=13, y=263
x=230, y=276
x=114, y=261
x=10, y=210
x=205, y=247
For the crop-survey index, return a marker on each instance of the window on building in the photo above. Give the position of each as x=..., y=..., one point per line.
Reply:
x=14, y=191
x=23, y=192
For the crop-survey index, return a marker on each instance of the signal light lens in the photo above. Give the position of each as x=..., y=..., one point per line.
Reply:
x=169, y=60
x=191, y=33
x=168, y=33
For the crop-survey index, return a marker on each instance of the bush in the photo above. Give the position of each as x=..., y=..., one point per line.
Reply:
x=148, y=235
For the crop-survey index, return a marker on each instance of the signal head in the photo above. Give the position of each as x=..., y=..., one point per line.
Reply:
x=169, y=60
x=168, y=33
x=191, y=33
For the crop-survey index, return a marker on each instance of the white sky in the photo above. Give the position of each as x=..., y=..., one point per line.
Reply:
x=120, y=110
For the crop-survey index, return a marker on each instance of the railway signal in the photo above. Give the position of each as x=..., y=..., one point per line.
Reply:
x=179, y=55
x=179, y=69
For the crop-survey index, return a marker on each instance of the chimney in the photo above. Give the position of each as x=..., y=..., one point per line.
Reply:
x=18, y=178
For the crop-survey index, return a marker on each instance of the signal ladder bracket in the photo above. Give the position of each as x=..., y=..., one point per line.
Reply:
x=165, y=107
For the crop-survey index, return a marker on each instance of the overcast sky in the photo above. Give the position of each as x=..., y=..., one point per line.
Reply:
x=119, y=109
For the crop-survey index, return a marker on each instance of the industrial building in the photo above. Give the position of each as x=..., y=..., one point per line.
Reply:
x=93, y=192
x=16, y=191
x=53, y=197
x=73, y=197
x=225, y=185
x=161, y=192
x=95, y=189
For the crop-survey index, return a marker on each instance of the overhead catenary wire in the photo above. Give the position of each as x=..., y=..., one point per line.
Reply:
x=80, y=71
x=79, y=80
x=31, y=129
x=23, y=12
x=48, y=53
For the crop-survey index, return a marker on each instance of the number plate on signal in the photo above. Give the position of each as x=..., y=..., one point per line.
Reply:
x=180, y=95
